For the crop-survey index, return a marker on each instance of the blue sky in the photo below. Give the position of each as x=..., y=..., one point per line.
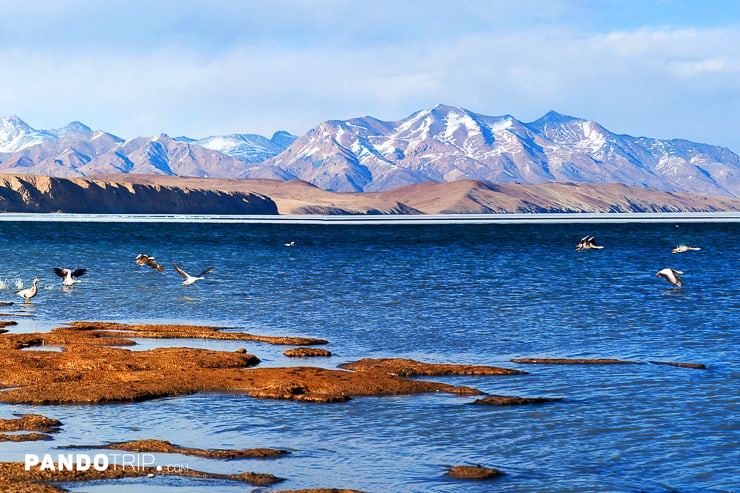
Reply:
x=663, y=68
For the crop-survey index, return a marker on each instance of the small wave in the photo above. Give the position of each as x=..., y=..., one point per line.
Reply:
x=16, y=283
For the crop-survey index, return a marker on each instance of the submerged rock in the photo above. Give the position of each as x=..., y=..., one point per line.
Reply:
x=474, y=472
x=575, y=361
x=412, y=368
x=695, y=366
x=504, y=400
x=320, y=490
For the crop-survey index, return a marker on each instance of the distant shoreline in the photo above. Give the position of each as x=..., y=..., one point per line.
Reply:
x=159, y=195
x=535, y=218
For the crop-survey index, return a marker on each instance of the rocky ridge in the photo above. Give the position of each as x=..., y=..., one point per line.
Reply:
x=34, y=194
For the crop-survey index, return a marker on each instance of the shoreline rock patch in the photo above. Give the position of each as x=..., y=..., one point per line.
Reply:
x=306, y=352
x=165, y=447
x=89, y=370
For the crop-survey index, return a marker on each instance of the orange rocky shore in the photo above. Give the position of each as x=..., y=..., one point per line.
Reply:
x=89, y=370
x=95, y=367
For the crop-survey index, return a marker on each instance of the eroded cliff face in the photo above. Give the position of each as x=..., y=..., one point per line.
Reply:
x=159, y=194
x=26, y=193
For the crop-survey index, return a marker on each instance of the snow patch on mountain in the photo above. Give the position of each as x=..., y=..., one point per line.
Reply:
x=73, y=128
x=447, y=143
x=250, y=148
x=15, y=135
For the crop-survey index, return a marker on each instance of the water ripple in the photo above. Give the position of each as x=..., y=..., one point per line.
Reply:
x=479, y=294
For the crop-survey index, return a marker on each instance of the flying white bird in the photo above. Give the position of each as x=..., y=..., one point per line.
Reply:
x=684, y=248
x=69, y=275
x=587, y=242
x=29, y=293
x=188, y=278
x=143, y=259
x=671, y=275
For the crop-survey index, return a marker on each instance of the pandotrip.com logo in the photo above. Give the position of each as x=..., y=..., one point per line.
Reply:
x=139, y=462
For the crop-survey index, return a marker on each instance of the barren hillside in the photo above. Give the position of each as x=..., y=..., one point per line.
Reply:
x=28, y=193
x=465, y=196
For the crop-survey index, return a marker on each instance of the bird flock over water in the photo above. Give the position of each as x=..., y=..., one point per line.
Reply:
x=70, y=277
x=673, y=276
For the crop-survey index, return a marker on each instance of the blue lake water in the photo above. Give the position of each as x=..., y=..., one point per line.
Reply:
x=447, y=293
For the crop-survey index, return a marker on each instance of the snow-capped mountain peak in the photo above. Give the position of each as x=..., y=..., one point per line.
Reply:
x=15, y=134
x=72, y=128
x=250, y=148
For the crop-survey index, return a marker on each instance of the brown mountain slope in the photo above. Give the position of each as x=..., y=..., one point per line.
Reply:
x=28, y=193
x=460, y=197
x=291, y=197
x=467, y=196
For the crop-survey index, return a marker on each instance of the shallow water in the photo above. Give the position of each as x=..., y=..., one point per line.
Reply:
x=471, y=293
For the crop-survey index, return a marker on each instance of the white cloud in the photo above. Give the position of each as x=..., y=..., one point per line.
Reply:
x=258, y=67
x=698, y=68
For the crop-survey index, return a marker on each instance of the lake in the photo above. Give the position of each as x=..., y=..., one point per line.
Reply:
x=437, y=291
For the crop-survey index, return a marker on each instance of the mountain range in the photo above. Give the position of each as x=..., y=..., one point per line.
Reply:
x=441, y=144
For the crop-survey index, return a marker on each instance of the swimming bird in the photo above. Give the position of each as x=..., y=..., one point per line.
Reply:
x=587, y=242
x=143, y=259
x=671, y=275
x=29, y=293
x=684, y=248
x=290, y=244
x=69, y=275
x=191, y=279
